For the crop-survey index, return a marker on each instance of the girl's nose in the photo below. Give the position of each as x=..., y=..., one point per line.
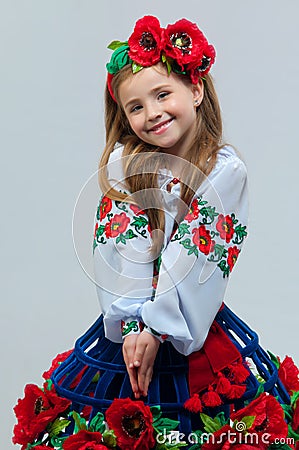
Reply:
x=153, y=113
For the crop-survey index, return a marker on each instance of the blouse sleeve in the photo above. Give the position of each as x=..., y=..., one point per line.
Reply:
x=123, y=265
x=196, y=263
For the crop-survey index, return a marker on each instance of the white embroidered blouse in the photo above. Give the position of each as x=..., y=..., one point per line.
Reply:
x=194, y=263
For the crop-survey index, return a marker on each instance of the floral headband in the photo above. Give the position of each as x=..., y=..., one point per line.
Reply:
x=181, y=46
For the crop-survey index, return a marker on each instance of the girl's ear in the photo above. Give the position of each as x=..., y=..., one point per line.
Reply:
x=198, y=92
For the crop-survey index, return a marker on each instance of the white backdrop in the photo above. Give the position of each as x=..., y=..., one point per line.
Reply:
x=53, y=57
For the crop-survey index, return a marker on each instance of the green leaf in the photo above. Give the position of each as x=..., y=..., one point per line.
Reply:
x=57, y=442
x=221, y=419
x=166, y=424
x=129, y=234
x=201, y=202
x=210, y=425
x=274, y=359
x=259, y=391
x=97, y=423
x=220, y=251
x=168, y=65
x=164, y=59
x=156, y=413
x=114, y=45
x=248, y=420
x=209, y=212
x=96, y=377
x=279, y=447
x=109, y=438
x=136, y=67
x=29, y=446
x=121, y=238
x=100, y=230
x=57, y=426
x=80, y=422
x=49, y=384
x=294, y=397
x=241, y=233
x=139, y=222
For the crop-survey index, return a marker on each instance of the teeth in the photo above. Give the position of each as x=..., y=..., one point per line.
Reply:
x=161, y=126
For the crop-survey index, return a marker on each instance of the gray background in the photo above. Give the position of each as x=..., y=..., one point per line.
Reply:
x=52, y=78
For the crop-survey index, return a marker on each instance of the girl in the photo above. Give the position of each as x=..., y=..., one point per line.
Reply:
x=170, y=226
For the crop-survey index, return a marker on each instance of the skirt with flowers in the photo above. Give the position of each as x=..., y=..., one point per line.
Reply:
x=230, y=391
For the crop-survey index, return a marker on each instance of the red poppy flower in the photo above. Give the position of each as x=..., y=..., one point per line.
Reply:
x=269, y=417
x=55, y=363
x=146, y=41
x=233, y=253
x=184, y=42
x=40, y=447
x=200, y=69
x=132, y=424
x=84, y=440
x=136, y=210
x=295, y=421
x=225, y=227
x=35, y=411
x=288, y=373
x=117, y=225
x=105, y=207
x=193, y=211
x=202, y=238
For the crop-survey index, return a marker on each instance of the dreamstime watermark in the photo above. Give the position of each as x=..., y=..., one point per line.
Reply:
x=238, y=435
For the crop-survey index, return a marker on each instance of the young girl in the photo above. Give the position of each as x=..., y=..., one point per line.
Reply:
x=170, y=226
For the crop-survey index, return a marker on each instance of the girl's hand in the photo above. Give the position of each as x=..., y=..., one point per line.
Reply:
x=144, y=357
x=129, y=347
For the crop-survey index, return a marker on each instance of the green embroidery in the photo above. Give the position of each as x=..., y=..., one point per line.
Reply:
x=130, y=326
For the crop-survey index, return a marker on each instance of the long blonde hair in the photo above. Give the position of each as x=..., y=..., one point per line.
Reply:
x=144, y=160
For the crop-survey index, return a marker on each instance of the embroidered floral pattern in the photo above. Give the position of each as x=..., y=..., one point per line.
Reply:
x=119, y=225
x=201, y=239
x=132, y=327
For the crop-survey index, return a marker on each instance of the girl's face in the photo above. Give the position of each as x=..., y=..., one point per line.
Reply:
x=161, y=108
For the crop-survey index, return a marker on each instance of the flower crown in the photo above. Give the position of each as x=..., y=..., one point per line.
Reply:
x=181, y=46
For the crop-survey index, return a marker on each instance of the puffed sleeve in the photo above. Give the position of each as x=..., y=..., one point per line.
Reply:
x=123, y=266
x=197, y=262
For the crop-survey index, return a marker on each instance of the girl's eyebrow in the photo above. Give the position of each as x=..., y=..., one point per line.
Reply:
x=152, y=91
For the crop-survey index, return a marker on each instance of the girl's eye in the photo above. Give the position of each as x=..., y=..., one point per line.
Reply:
x=162, y=95
x=136, y=108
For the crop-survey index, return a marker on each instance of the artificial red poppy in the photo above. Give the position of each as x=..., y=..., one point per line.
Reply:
x=35, y=411
x=84, y=440
x=40, y=447
x=269, y=417
x=233, y=253
x=105, y=207
x=288, y=373
x=146, y=41
x=225, y=227
x=136, y=210
x=117, y=225
x=55, y=363
x=197, y=70
x=202, y=238
x=132, y=424
x=193, y=212
x=184, y=43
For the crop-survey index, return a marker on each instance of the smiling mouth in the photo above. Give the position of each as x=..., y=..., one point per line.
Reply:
x=160, y=127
